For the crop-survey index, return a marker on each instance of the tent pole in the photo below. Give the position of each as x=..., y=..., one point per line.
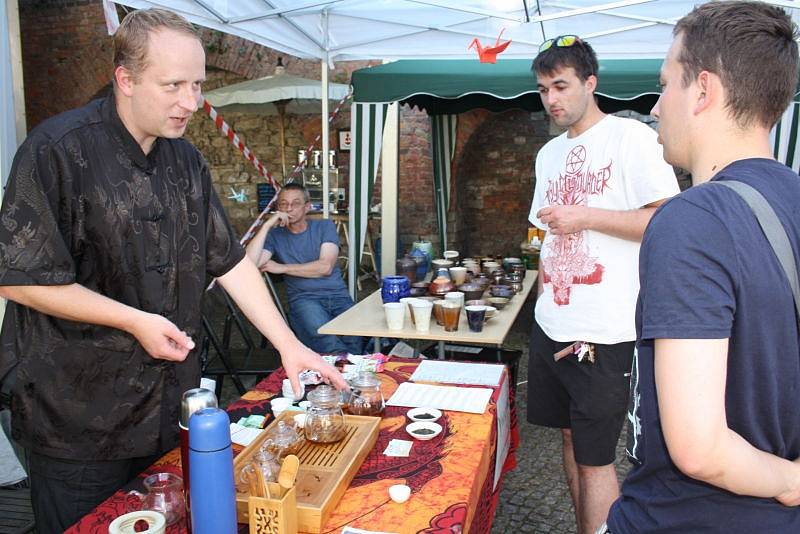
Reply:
x=325, y=140
x=325, y=126
x=390, y=163
x=282, y=130
x=16, y=72
x=11, y=29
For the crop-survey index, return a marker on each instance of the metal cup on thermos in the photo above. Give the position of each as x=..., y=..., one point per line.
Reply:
x=192, y=401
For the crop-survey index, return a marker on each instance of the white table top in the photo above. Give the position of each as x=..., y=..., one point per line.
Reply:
x=367, y=319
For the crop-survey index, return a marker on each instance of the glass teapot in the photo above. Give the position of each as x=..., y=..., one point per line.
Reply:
x=325, y=419
x=284, y=440
x=365, y=395
x=263, y=460
x=164, y=495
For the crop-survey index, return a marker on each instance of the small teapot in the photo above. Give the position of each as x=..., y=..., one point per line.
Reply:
x=325, y=420
x=284, y=440
x=164, y=495
x=262, y=460
x=365, y=395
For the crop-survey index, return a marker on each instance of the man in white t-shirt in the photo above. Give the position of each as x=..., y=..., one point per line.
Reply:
x=597, y=185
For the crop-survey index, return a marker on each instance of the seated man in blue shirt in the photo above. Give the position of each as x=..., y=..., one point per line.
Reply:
x=306, y=252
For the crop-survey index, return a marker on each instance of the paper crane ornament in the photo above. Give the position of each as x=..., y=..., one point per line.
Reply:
x=489, y=54
x=238, y=196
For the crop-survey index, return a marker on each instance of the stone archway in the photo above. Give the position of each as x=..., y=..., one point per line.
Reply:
x=495, y=182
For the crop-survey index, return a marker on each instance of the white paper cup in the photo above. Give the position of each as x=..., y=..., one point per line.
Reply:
x=408, y=301
x=422, y=314
x=395, y=313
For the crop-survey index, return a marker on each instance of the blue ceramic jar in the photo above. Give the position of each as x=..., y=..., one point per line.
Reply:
x=394, y=288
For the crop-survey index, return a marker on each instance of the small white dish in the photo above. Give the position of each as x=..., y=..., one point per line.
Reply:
x=280, y=403
x=305, y=405
x=399, y=493
x=418, y=414
x=423, y=431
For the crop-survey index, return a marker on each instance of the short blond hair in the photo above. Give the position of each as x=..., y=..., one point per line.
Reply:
x=130, y=40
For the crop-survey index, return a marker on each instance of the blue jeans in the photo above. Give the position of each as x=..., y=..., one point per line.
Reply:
x=307, y=314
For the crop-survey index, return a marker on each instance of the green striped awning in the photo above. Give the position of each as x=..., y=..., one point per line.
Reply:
x=784, y=138
x=366, y=125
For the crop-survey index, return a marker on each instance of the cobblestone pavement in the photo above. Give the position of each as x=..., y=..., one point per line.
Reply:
x=535, y=497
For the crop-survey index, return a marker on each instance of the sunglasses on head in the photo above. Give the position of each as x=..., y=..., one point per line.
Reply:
x=563, y=41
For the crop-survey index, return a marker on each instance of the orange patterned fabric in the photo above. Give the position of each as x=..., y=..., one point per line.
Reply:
x=451, y=476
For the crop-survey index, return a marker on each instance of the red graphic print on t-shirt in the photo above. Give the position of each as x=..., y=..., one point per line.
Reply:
x=568, y=261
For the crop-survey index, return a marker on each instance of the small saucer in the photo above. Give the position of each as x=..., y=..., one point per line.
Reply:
x=414, y=430
x=415, y=414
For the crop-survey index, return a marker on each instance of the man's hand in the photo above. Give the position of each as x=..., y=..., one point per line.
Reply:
x=792, y=498
x=279, y=218
x=561, y=219
x=274, y=267
x=301, y=358
x=160, y=338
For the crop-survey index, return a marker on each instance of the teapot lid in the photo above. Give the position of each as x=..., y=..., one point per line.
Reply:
x=365, y=379
x=284, y=435
x=323, y=394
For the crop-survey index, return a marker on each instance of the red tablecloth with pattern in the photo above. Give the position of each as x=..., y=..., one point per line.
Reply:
x=451, y=476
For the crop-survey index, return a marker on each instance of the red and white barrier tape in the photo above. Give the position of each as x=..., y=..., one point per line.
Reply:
x=228, y=132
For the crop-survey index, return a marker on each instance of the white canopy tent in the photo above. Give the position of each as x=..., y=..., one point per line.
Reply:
x=331, y=30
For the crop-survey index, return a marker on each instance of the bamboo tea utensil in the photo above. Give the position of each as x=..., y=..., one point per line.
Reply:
x=263, y=487
x=253, y=481
x=288, y=472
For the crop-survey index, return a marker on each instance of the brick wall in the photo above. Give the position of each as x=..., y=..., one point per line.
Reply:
x=495, y=182
x=66, y=55
x=416, y=211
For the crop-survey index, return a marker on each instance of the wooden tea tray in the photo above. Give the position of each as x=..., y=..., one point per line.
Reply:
x=325, y=469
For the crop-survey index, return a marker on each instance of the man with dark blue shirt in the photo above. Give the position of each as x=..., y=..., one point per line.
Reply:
x=715, y=418
x=306, y=252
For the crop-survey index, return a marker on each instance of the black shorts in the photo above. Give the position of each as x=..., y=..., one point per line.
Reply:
x=591, y=399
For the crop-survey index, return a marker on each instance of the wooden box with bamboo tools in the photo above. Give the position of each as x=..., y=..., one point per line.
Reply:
x=325, y=470
x=273, y=516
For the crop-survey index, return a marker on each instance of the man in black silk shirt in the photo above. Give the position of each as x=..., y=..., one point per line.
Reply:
x=108, y=228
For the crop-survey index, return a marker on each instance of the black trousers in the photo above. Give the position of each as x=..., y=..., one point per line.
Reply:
x=63, y=491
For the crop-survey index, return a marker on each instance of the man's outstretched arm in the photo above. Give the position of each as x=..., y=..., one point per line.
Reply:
x=245, y=285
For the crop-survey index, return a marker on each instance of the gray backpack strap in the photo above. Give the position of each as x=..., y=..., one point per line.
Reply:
x=773, y=230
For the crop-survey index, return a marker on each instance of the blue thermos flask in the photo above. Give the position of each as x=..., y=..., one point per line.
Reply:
x=212, y=487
